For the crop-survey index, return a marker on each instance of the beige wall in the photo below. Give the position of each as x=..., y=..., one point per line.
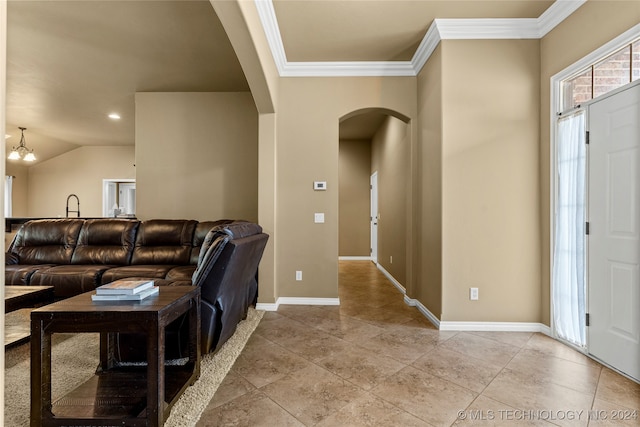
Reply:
x=565, y=45
x=479, y=191
x=354, y=203
x=390, y=158
x=491, y=226
x=428, y=248
x=197, y=156
x=308, y=116
x=79, y=172
x=20, y=188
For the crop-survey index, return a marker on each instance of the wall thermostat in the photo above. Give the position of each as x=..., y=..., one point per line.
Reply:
x=319, y=185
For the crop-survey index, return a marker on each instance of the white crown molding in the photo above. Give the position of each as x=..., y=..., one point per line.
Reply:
x=428, y=44
x=267, y=15
x=441, y=29
x=483, y=29
x=555, y=14
x=348, y=69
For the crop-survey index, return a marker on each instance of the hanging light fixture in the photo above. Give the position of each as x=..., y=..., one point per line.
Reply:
x=21, y=151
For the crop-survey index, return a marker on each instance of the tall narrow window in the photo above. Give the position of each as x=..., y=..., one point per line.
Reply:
x=569, y=253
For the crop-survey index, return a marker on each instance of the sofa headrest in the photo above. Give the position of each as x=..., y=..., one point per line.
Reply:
x=106, y=241
x=165, y=232
x=47, y=241
x=164, y=241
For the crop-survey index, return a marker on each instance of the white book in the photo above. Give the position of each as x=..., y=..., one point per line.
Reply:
x=127, y=297
x=124, y=287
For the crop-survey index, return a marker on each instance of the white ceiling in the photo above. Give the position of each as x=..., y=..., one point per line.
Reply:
x=71, y=63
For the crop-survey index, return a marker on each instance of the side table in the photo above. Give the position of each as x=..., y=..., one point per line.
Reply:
x=128, y=396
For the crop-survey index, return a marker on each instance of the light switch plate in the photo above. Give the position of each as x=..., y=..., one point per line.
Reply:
x=319, y=218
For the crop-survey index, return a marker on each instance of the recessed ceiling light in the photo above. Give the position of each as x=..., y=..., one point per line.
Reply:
x=7, y=136
x=114, y=116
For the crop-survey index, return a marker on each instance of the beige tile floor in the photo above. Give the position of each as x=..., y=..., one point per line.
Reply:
x=373, y=361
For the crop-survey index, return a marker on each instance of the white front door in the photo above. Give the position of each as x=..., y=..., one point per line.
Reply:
x=614, y=231
x=374, y=217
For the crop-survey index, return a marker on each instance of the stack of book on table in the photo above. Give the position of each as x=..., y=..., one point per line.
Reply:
x=125, y=290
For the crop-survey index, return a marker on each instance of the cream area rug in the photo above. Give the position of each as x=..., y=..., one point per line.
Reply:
x=75, y=358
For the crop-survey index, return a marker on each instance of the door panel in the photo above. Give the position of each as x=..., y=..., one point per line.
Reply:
x=614, y=239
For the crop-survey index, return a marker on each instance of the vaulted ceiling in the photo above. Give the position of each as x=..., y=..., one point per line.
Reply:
x=71, y=63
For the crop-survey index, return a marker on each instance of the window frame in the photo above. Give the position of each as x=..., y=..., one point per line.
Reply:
x=591, y=68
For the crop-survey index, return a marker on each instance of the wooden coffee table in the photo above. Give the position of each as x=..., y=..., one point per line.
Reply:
x=22, y=297
x=129, y=396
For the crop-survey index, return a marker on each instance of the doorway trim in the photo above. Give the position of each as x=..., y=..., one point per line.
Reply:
x=373, y=219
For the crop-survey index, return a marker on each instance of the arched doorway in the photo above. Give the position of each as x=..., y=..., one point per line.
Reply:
x=374, y=175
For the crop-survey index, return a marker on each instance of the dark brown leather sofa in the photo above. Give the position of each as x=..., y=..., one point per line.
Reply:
x=78, y=255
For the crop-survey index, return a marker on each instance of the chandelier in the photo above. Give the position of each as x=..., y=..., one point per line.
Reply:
x=21, y=151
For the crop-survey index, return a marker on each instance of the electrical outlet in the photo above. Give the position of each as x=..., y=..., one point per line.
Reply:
x=473, y=294
x=318, y=218
x=298, y=275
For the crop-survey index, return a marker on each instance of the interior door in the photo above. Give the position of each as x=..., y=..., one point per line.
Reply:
x=614, y=231
x=374, y=217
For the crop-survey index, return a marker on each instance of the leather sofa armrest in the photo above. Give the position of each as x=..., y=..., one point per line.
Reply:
x=11, y=259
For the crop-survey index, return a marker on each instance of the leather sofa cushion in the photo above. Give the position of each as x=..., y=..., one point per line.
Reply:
x=47, y=241
x=69, y=280
x=106, y=241
x=136, y=271
x=164, y=241
x=21, y=273
x=182, y=272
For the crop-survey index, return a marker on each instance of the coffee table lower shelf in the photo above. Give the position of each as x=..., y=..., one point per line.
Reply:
x=118, y=395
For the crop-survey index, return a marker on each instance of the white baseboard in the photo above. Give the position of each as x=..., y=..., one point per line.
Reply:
x=267, y=306
x=354, y=258
x=296, y=301
x=393, y=280
x=441, y=325
x=308, y=301
x=495, y=327
x=422, y=309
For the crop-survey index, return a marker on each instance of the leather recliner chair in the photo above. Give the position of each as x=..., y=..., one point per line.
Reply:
x=226, y=273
